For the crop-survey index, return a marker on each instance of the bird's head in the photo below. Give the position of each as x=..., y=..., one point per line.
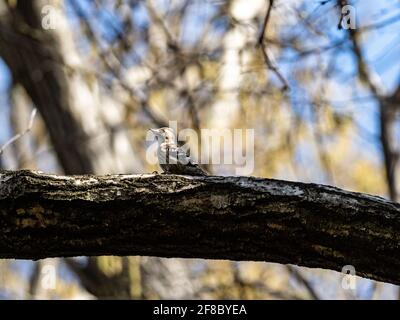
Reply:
x=164, y=134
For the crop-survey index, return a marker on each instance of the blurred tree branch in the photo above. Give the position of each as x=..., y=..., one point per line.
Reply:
x=389, y=107
x=303, y=281
x=263, y=47
x=236, y=218
x=20, y=134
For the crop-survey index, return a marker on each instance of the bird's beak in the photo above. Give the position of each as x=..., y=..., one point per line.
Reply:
x=154, y=130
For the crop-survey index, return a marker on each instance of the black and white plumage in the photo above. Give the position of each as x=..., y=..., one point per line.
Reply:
x=173, y=159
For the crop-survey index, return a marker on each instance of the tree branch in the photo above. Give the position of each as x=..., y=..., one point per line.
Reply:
x=388, y=109
x=236, y=218
x=262, y=45
x=20, y=134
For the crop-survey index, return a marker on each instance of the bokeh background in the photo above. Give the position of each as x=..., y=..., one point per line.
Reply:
x=101, y=73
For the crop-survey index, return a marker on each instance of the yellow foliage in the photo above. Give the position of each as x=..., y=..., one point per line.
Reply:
x=368, y=177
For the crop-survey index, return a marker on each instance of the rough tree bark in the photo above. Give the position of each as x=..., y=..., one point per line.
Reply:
x=237, y=218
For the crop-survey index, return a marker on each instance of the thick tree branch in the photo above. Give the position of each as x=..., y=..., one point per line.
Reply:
x=237, y=218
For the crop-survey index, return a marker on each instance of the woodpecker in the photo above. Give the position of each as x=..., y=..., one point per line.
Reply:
x=173, y=159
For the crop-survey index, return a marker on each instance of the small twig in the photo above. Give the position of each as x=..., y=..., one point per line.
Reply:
x=266, y=19
x=21, y=134
x=267, y=59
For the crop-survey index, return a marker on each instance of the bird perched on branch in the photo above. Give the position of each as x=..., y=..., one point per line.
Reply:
x=173, y=159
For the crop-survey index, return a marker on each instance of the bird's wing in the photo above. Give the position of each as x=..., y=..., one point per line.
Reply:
x=174, y=154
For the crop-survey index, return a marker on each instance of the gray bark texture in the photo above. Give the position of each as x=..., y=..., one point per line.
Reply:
x=236, y=218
